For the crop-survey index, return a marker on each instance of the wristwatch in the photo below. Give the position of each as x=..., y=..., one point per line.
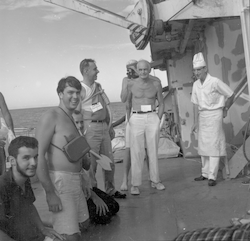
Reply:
x=226, y=108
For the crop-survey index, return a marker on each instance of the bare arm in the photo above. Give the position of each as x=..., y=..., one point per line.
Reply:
x=228, y=104
x=44, y=133
x=124, y=92
x=129, y=101
x=160, y=100
x=6, y=114
x=229, y=101
x=101, y=206
x=128, y=109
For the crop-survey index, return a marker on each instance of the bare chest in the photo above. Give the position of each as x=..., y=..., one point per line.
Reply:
x=144, y=90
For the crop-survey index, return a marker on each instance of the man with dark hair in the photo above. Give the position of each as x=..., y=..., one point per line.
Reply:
x=9, y=122
x=70, y=81
x=94, y=106
x=101, y=206
x=19, y=219
x=60, y=176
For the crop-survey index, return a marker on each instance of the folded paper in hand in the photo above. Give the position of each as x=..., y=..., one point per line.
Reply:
x=103, y=161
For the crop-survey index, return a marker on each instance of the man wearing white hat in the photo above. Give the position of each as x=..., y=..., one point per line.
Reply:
x=211, y=98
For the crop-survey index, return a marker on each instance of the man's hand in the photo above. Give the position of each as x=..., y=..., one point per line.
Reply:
x=101, y=206
x=194, y=128
x=54, y=202
x=49, y=232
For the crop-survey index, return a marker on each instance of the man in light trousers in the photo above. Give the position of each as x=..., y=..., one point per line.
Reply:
x=144, y=125
x=211, y=98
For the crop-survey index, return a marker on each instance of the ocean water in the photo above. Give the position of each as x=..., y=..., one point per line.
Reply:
x=29, y=118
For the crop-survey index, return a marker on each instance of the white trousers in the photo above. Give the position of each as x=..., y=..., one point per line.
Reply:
x=210, y=166
x=144, y=127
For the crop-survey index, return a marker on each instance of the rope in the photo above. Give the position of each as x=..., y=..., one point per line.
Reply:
x=180, y=10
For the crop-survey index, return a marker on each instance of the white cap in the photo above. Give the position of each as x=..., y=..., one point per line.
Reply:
x=198, y=61
x=132, y=64
x=132, y=61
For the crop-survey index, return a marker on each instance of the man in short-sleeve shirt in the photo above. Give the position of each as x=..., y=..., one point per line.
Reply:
x=211, y=98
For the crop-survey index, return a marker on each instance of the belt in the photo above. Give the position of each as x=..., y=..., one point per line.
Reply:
x=98, y=121
x=143, y=112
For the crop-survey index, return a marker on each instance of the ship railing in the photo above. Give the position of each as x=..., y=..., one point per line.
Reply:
x=24, y=131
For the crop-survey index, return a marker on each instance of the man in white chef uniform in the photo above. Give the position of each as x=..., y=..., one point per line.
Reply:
x=211, y=98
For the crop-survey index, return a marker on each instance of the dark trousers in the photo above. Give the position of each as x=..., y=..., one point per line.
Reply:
x=110, y=202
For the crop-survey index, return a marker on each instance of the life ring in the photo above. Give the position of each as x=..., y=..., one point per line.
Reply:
x=140, y=35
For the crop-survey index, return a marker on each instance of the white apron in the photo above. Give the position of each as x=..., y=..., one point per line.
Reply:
x=211, y=136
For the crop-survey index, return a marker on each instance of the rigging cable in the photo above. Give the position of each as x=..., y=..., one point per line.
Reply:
x=193, y=1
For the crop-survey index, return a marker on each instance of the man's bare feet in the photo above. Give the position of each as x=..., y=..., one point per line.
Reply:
x=124, y=186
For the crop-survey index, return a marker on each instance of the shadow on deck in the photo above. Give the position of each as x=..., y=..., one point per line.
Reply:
x=161, y=215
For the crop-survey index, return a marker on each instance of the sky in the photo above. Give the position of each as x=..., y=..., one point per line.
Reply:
x=40, y=43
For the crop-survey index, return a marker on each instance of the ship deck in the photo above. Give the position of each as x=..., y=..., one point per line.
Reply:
x=162, y=215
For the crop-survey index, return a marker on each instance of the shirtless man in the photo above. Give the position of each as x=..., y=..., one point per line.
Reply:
x=131, y=76
x=144, y=124
x=62, y=179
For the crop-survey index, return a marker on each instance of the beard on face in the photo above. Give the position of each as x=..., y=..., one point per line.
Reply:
x=19, y=169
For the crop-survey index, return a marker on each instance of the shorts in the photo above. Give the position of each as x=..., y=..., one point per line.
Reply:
x=68, y=187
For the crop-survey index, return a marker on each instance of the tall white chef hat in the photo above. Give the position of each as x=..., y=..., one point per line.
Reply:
x=198, y=61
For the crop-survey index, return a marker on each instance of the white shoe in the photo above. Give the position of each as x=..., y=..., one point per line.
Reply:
x=158, y=186
x=134, y=190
